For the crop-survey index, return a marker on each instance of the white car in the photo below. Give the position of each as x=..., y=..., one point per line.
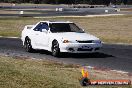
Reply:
x=57, y=37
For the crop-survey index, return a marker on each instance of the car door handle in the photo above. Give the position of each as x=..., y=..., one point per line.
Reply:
x=36, y=34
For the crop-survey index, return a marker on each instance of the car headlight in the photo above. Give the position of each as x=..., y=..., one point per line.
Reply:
x=96, y=41
x=66, y=41
x=69, y=41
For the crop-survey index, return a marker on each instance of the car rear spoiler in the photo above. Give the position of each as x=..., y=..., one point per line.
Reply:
x=29, y=26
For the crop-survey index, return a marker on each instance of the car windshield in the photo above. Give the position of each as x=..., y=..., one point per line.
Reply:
x=64, y=27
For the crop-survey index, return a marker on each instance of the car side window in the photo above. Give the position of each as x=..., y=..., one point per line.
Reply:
x=41, y=26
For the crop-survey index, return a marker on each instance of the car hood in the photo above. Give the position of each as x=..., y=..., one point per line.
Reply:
x=75, y=36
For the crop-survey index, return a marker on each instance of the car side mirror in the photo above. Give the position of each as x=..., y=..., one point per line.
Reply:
x=44, y=30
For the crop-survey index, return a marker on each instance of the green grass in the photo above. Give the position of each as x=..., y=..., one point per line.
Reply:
x=114, y=29
x=22, y=72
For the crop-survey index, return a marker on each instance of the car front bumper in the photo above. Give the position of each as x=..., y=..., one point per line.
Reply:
x=80, y=47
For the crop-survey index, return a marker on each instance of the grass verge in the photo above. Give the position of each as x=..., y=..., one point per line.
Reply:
x=27, y=73
x=114, y=29
x=22, y=72
x=29, y=4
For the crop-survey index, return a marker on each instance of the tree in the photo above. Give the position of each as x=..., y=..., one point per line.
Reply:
x=106, y=2
x=125, y=2
x=37, y=1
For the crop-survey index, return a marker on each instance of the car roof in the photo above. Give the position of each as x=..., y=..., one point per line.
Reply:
x=57, y=21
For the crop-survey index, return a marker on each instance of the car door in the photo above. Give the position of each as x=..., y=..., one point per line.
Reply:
x=41, y=35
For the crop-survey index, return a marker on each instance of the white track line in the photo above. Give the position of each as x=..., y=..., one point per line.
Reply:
x=103, y=15
x=118, y=71
x=10, y=37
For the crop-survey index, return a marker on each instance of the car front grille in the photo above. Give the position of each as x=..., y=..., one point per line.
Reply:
x=80, y=49
x=86, y=41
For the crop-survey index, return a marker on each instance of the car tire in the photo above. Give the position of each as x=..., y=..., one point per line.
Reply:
x=55, y=49
x=27, y=45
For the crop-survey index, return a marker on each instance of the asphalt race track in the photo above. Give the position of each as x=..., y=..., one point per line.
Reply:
x=117, y=57
x=67, y=11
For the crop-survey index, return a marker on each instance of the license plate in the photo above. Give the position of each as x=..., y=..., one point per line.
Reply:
x=86, y=47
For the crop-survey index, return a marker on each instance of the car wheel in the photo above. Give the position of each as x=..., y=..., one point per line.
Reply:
x=27, y=45
x=55, y=49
